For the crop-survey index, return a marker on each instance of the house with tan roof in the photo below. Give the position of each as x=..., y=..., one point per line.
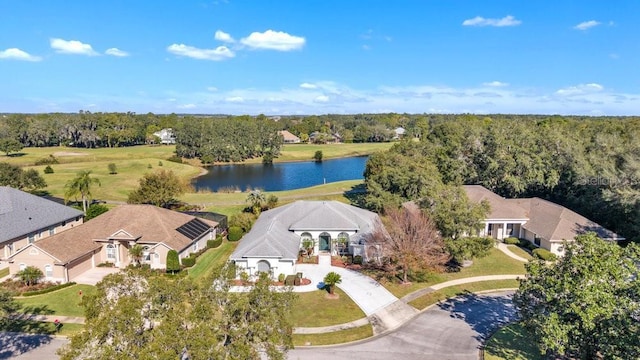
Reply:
x=543, y=223
x=108, y=238
x=275, y=240
x=289, y=138
x=27, y=218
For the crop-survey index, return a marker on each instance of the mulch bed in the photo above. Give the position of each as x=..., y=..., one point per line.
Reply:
x=18, y=287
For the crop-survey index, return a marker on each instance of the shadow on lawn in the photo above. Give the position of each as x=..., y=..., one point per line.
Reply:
x=485, y=314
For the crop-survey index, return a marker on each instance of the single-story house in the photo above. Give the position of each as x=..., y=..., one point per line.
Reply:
x=275, y=240
x=108, y=238
x=544, y=223
x=166, y=136
x=27, y=218
x=399, y=132
x=289, y=138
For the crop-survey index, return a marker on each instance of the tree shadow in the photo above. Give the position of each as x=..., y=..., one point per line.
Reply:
x=13, y=344
x=484, y=314
x=17, y=154
x=356, y=195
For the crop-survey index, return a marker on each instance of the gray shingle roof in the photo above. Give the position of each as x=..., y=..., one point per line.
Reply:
x=22, y=213
x=272, y=234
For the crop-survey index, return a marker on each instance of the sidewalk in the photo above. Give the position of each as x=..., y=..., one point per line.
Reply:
x=505, y=249
x=52, y=318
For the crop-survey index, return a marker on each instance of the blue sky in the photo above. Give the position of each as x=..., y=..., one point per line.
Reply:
x=318, y=57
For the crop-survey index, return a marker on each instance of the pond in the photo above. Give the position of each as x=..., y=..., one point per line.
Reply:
x=281, y=176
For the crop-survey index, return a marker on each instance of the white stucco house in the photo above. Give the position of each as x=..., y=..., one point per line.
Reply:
x=166, y=136
x=274, y=242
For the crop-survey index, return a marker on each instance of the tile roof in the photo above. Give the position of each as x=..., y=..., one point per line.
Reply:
x=145, y=223
x=501, y=208
x=272, y=234
x=22, y=213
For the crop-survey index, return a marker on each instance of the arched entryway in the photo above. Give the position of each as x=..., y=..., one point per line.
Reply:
x=324, y=242
x=264, y=266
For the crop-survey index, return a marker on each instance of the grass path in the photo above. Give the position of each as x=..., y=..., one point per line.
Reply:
x=211, y=260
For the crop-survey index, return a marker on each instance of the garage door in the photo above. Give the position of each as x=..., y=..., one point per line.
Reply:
x=79, y=266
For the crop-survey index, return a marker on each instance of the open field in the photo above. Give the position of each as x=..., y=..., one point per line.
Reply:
x=305, y=152
x=62, y=302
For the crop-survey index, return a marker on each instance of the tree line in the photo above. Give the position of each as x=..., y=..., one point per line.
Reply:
x=590, y=165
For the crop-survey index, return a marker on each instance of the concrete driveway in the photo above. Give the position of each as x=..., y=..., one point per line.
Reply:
x=454, y=329
x=28, y=346
x=93, y=276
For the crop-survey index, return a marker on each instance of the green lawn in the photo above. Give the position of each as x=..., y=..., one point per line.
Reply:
x=313, y=309
x=62, y=302
x=37, y=327
x=442, y=294
x=497, y=263
x=336, y=337
x=305, y=152
x=520, y=252
x=211, y=259
x=512, y=342
x=4, y=272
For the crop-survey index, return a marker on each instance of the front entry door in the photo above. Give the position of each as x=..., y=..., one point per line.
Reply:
x=325, y=243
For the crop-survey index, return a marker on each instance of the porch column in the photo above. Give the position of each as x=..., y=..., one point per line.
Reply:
x=486, y=229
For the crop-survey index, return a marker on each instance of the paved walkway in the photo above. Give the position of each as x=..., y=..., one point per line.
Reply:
x=94, y=275
x=505, y=249
x=53, y=318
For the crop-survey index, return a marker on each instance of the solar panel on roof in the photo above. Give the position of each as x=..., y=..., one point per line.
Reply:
x=193, y=229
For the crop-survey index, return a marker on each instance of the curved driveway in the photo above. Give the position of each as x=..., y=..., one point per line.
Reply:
x=454, y=329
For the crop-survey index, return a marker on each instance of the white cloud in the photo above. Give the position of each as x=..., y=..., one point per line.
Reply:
x=217, y=54
x=17, y=54
x=496, y=84
x=308, y=86
x=223, y=36
x=366, y=47
x=580, y=89
x=212, y=88
x=71, y=47
x=273, y=40
x=586, y=25
x=321, y=99
x=234, y=99
x=480, y=21
x=116, y=52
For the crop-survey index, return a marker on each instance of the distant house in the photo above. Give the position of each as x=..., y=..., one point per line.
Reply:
x=274, y=242
x=108, y=238
x=539, y=221
x=399, y=132
x=166, y=136
x=288, y=137
x=26, y=219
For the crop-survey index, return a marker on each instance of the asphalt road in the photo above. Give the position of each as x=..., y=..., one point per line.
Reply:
x=454, y=329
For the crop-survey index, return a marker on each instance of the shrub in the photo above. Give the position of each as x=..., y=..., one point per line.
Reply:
x=544, y=254
x=47, y=161
x=468, y=248
x=112, y=168
x=512, y=241
x=272, y=201
x=212, y=244
x=48, y=290
x=290, y=280
x=173, y=262
x=48, y=170
x=30, y=275
x=95, y=210
x=243, y=220
x=175, y=159
x=527, y=244
x=188, y=261
x=318, y=156
x=357, y=260
x=160, y=163
x=281, y=278
x=235, y=233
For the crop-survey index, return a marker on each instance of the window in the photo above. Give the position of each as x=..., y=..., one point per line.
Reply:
x=146, y=255
x=48, y=270
x=509, y=229
x=52, y=231
x=23, y=266
x=111, y=252
x=536, y=241
x=10, y=249
x=32, y=238
x=195, y=247
x=33, y=251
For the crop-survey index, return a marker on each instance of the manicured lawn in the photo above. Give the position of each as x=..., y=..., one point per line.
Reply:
x=497, y=263
x=442, y=294
x=512, y=342
x=4, y=272
x=520, y=252
x=211, y=260
x=336, y=337
x=62, y=302
x=305, y=152
x=37, y=327
x=313, y=309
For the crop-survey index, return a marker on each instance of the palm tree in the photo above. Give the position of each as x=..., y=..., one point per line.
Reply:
x=331, y=279
x=136, y=252
x=256, y=198
x=81, y=185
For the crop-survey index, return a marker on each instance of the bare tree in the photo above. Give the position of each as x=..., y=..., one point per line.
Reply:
x=410, y=240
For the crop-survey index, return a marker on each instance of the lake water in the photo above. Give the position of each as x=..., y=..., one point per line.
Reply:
x=281, y=176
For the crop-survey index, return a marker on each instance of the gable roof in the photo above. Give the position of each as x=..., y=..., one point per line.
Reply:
x=22, y=213
x=546, y=219
x=288, y=136
x=272, y=234
x=144, y=223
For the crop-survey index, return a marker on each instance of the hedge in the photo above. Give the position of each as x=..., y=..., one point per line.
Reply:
x=47, y=290
x=212, y=244
x=527, y=244
x=188, y=261
x=544, y=254
x=357, y=260
x=235, y=233
x=512, y=241
x=290, y=280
